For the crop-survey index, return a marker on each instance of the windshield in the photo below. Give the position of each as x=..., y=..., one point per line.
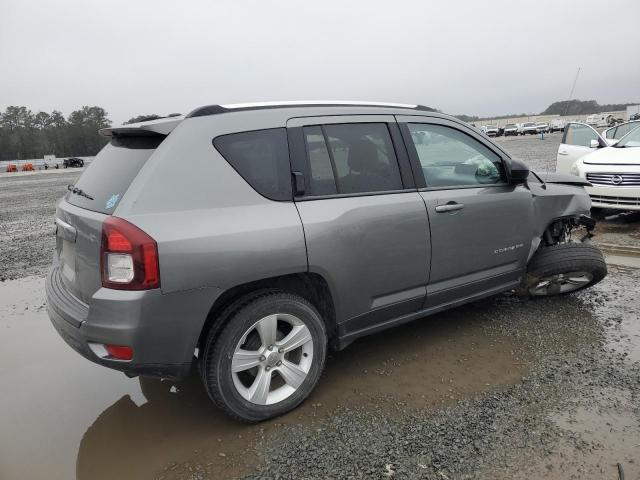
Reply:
x=491, y=126
x=631, y=139
x=528, y=125
x=510, y=125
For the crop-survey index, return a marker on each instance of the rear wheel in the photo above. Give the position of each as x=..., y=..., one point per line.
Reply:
x=268, y=357
x=564, y=268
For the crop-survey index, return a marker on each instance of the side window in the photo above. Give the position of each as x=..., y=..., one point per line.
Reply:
x=261, y=157
x=351, y=158
x=625, y=128
x=579, y=135
x=450, y=158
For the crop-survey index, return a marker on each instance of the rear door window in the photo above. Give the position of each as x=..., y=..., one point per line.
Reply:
x=109, y=175
x=261, y=157
x=351, y=158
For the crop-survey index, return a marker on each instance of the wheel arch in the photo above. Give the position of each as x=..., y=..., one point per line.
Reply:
x=556, y=228
x=311, y=286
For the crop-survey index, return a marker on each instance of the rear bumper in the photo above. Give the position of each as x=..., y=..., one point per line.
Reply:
x=163, y=330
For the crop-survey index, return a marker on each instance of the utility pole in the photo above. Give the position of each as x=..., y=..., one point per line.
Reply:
x=575, y=80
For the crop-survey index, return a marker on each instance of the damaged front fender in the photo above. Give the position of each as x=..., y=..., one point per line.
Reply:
x=554, y=201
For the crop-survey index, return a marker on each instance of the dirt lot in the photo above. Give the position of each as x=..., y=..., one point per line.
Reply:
x=501, y=388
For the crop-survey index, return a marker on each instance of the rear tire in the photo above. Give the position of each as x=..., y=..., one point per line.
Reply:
x=562, y=269
x=267, y=358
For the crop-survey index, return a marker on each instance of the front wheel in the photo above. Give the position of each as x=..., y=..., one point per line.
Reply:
x=268, y=357
x=564, y=268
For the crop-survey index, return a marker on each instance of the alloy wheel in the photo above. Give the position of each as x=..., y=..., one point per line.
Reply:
x=560, y=283
x=272, y=359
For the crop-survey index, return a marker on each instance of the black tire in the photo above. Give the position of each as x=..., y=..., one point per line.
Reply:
x=221, y=343
x=560, y=260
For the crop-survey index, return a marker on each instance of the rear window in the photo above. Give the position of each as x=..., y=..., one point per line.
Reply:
x=261, y=157
x=109, y=175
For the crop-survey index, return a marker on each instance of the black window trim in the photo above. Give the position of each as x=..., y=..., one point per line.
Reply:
x=299, y=157
x=291, y=191
x=403, y=124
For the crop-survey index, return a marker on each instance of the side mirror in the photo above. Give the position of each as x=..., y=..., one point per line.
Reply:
x=518, y=172
x=594, y=143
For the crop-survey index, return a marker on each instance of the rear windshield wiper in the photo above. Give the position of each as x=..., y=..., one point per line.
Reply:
x=77, y=191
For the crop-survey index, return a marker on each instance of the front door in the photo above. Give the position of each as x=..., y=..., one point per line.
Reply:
x=578, y=140
x=480, y=225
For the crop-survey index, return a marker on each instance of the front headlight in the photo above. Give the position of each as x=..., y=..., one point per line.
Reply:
x=574, y=170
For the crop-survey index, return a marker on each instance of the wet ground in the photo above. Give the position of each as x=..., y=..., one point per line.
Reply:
x=501, y=388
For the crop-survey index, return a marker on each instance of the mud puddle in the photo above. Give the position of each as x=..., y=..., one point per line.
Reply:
x=64, y=417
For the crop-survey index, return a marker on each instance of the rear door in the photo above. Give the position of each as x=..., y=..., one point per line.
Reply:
x=576, y=143
x=93, y=198
x=365, y=225
x=481, y=226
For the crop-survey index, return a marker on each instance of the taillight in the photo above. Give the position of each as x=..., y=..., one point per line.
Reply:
x=119, y=352
x=128, y=257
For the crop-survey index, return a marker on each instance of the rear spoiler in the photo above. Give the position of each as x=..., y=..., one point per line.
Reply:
x=161, y=126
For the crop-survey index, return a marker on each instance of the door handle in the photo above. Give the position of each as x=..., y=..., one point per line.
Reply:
x=562, y=152
x=449, y=207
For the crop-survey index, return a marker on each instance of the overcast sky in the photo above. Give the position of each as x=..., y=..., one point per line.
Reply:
x=477, y=57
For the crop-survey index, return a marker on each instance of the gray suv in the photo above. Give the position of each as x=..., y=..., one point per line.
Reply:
x=249, y=239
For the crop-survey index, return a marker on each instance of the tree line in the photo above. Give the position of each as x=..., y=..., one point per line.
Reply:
x=26, y=135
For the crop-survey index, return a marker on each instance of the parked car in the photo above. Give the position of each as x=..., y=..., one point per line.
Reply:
x=528, y=128
x=491, y=130
x=542, y=127
x=510, y=129
x=557, y=125
x=613, y=134
x=252, y=238
x=73, y=162
x=612, y=170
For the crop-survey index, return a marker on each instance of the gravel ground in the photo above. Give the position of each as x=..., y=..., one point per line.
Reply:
x=539, y=154
x=27, y=208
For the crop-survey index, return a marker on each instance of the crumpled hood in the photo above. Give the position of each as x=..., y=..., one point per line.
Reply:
x=614, y=156
x=563, y=178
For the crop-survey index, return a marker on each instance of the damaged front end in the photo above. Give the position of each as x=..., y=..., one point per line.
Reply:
x=562, y=230
x=561, y=209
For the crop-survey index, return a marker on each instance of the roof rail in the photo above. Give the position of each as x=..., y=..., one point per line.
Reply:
x=235, y=107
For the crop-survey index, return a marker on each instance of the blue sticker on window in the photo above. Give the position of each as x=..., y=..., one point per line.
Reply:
x=112, y=201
